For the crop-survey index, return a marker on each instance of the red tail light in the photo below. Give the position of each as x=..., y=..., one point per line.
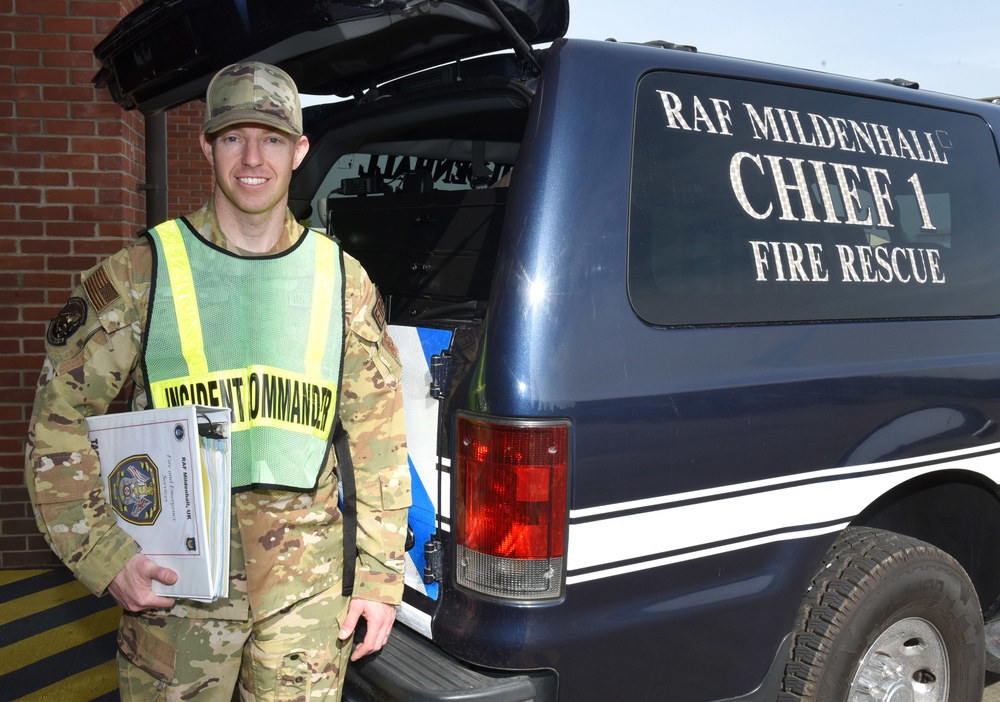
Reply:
x=510, y=528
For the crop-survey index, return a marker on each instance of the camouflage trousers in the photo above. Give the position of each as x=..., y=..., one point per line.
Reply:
x=293, y=655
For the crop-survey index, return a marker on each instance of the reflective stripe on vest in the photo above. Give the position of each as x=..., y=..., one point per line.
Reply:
x=263, y=336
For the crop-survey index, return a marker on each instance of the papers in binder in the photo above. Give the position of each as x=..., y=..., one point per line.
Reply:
x=166, y=473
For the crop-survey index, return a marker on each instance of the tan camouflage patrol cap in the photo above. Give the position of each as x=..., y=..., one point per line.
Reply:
x=253, y=92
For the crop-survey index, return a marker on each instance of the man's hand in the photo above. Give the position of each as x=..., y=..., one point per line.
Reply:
x=132, y=587
x=379, y=617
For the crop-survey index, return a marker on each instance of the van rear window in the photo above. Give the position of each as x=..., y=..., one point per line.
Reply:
x=755, y=203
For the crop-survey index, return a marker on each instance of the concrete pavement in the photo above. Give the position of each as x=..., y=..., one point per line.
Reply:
x=991, y=693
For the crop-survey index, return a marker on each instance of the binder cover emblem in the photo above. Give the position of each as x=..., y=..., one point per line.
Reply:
x=134, y=485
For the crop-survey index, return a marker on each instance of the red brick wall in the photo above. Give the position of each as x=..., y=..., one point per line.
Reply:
x=189, y=175
x=71, y=162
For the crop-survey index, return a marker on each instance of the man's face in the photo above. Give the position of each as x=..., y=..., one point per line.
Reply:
x=253, y=165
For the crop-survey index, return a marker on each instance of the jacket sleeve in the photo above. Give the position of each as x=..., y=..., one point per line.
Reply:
x=371, y=408
x=91, y=345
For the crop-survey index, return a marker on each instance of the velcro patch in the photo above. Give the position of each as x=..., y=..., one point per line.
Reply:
x=388, y=344
x=378, y=314
x=100, y=290
x=67, y=321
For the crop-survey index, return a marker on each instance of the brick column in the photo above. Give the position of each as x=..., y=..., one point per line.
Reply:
x=189, y=173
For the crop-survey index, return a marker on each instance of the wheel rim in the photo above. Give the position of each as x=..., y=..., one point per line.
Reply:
x=907, y=663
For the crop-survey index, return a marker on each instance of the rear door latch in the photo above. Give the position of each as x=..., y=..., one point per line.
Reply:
x=440, y=369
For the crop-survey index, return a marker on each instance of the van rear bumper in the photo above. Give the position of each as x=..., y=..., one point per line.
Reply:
x=409, y=668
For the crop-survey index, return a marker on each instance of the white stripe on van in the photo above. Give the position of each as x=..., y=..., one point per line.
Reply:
x=631, y=536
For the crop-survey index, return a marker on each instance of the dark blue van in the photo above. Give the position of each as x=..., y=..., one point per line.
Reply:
x=702, y=390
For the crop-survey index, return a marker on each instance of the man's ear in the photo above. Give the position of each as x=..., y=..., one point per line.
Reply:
x=206, y=148
x=301, y=149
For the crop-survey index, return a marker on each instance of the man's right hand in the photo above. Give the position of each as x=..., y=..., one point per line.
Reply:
x=132, y=587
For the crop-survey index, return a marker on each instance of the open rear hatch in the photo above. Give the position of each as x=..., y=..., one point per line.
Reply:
x=164, y=53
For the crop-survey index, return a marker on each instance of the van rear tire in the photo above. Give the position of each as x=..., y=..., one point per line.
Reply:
x=888, y=617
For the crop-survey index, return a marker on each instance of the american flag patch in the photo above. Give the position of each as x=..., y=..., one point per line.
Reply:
x=378, y=314
x=100, y=290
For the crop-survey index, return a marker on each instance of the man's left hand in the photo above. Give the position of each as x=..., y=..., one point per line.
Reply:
x=379, y=617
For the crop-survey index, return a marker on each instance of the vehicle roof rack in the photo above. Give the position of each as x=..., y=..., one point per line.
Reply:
x=670, y=45
x=901, y=82
x=658, y=43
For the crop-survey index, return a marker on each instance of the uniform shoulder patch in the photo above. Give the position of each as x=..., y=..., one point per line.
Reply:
x=100, y=290
x=67, y=321
x=378, y=313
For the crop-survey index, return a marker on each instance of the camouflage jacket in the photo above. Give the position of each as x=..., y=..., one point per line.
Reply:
x=286, y=545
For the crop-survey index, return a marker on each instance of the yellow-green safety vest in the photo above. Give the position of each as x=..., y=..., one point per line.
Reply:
x=263, y=336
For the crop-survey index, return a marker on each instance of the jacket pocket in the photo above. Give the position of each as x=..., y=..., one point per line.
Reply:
x=395, y=484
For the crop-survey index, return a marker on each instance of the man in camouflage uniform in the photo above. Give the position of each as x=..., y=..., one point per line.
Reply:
x=285, y=630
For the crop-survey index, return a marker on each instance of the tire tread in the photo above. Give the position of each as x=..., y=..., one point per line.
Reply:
x=853, y=565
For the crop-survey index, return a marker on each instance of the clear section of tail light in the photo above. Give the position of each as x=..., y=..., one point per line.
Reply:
x=510, y=526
